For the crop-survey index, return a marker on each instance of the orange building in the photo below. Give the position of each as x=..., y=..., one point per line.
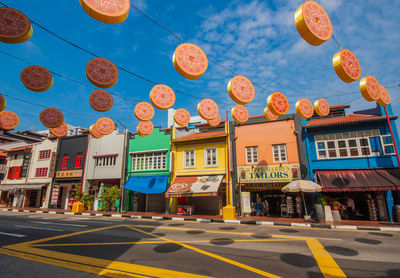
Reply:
x=266, y=156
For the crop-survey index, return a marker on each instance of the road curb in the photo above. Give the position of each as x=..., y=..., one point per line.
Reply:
x=208, y=220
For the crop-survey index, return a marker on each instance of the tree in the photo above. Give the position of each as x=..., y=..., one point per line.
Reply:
x=109, y=197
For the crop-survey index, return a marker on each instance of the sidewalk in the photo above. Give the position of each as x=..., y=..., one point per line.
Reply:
x=251, y=220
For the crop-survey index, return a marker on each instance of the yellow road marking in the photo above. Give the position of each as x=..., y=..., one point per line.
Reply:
x=229, y=261
x=325, y=262
x=157, y=242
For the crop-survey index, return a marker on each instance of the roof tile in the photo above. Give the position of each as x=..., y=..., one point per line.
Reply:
x=197, y=136
x=351, y=118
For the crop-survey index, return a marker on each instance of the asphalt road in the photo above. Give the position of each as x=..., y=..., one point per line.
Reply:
x=48, y=245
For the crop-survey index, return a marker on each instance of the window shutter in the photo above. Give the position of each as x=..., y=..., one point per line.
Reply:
x=17, y=172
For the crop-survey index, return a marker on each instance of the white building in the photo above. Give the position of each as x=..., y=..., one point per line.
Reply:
x=72, y=130
x=194, y=120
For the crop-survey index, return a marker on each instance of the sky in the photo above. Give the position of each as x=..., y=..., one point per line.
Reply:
x=257, y=39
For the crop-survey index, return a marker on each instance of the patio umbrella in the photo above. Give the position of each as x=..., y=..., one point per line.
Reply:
x=303, y=186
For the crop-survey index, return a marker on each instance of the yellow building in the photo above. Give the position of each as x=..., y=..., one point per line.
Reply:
x=199, y=170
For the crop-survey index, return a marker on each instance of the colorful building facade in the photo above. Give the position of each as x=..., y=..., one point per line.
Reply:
x=353, y=157
x=148, y=171
x=199, y=175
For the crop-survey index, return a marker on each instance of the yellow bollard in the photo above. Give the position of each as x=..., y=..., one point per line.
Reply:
x=77, y=207
x=229, y=212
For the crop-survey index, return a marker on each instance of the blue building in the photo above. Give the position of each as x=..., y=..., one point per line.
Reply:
x=353, y=156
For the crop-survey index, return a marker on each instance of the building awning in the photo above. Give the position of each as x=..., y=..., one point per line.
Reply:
x=197, y=186
x=359, y=180
x=148, y=184
x=8, y=187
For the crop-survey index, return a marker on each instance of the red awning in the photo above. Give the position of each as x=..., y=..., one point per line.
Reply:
x=359, y=180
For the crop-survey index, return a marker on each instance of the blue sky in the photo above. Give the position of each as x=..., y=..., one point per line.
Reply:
x=257, y=39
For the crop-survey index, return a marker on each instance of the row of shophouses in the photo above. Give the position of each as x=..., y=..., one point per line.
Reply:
x=175, y=170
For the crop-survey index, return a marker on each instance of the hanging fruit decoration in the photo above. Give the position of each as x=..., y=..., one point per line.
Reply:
x=278, y=104
x=102, y=72
x=162, y=97
x=214, y=122
x=369, y=88
x=101, y=101
x=313, y=23
x=384, y=97
x=182, y=117
x=241, y=89
x=207, y=109
x=36, y=78
x=15, y=26
x=269, y=115
x=2, y=102
x=107, y=11
x=190, y=61
x=105, y=125
x=8, y=120
x=304, y=108
x=322, y=107
x=145, y=128
x=59, y=131
x=144, y=111
x=51, y=117
x=240, y=114
x=347, y=66
x=93, y=131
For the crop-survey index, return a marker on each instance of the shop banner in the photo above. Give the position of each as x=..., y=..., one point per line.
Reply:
x=268, y=173
x=246, y=206
x=68, y=174
x=54, y=195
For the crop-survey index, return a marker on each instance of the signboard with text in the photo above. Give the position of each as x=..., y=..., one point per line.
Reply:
x=268, y=173
x=68, y=174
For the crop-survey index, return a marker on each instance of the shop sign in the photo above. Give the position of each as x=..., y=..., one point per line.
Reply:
x=54, y=195
x=69, y=174
x=52, y=164
x=268, y=173
x=246, y=202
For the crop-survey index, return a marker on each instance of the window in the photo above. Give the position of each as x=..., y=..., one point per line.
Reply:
x=78, y=160
x=41, y=172
x=211, y=157
x=189, y=159
x=387, y=144
x=44, y=154
x=279, y=153
x=149, y=161
x=252, y=154
x=64, y=164
x=14, y=173
x=104, y=161
x=345, y=145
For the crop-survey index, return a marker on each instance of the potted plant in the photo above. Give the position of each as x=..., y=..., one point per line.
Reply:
x=335, y=204
x=319, y=207
x=88, y=201
x=109, y=197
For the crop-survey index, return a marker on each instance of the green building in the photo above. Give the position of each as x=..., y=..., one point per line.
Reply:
x=148, y=171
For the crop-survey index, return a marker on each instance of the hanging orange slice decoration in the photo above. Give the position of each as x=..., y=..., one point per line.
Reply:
x=105, y=125
x=102, y=73
x=15, y=26
x=59, y=131
x=384, y=97
x=93, y=131
x=347, y=66
x=182, y=117
x=304, y=108
x=215, y=122
x=241, y=90
x=278, y=104
x=144, y=111
x=322, y=107
x=101, y=101
x=369, y=88
x=2, y=102
x=162, y=97
x=240, y=114
x=36, y=78
x=190, y=61
x=107, y=11
x=8, y=120
x=51, y=117
x=145, y=128
x=313, y=23
x=269, y=115
x=207, y=109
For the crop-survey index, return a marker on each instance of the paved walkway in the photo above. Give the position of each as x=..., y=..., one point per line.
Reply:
x=255, y=220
